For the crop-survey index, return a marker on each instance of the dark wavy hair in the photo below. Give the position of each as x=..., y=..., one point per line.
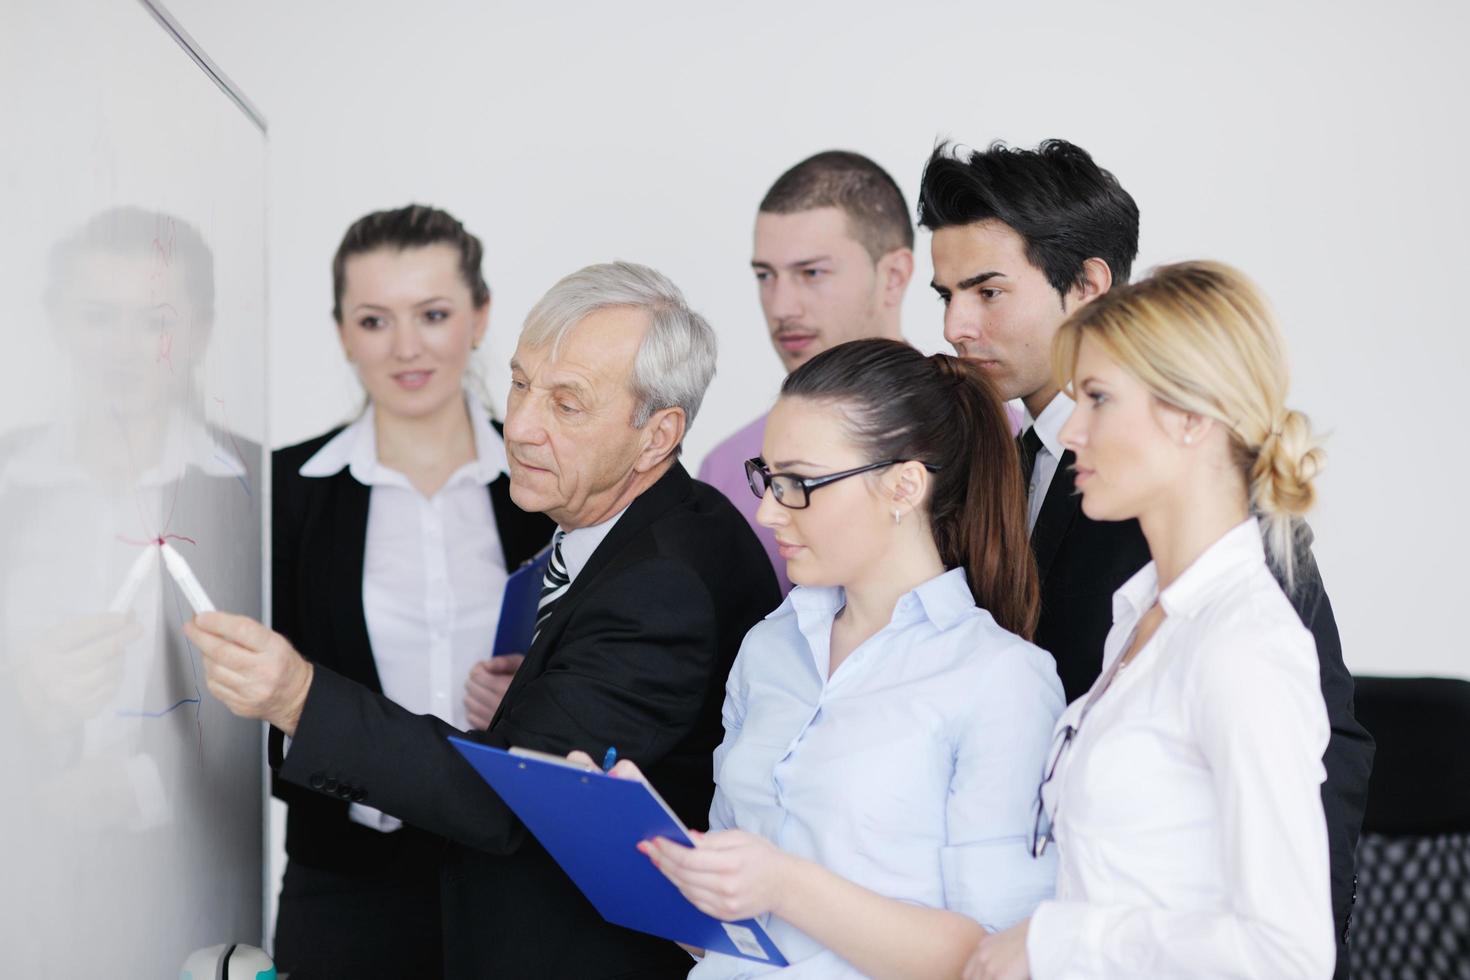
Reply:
x=1064, y=206
x=943, y=412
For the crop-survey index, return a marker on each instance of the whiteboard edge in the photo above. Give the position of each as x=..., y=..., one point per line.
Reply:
x=176, y=30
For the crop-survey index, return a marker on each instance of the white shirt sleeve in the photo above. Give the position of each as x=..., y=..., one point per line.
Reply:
x=732, y=715
x=1257, y=713
x=986, y=863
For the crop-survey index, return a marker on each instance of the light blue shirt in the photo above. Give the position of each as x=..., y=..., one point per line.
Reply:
x=912, y=771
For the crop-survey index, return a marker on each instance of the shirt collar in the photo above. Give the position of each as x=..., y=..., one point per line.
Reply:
x=1048, y=424
x=944, y=600
x=355, y=448
x=1238, y=548
x=580, y=543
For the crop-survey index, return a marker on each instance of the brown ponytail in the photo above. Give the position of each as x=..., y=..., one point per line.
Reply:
x=943, y=412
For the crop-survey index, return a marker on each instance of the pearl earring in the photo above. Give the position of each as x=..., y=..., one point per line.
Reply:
x=1188, y=438
x=897, y=516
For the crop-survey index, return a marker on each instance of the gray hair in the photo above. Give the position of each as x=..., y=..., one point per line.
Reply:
x=676, y=359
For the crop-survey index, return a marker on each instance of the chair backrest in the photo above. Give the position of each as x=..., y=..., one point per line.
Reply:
x=1412, y=918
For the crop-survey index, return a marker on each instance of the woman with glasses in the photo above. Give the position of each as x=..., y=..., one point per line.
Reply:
x=885, y=727
x=1184, y=789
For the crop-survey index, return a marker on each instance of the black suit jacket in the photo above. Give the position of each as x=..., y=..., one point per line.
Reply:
x=635, y=655
x=318, y=537
x=1082, y=562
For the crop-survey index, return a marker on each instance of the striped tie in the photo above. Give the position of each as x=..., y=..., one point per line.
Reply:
x=553, y=584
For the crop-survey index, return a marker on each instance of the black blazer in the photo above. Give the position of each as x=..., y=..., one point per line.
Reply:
x=1083, y=562
x=318, y=536
x=635, y=655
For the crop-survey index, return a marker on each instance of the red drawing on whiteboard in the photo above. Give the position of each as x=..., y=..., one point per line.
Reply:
x=165, y=240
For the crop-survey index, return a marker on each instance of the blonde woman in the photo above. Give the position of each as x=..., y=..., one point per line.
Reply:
x=1183, y=790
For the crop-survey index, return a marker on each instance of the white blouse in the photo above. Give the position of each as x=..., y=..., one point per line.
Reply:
x=433, y=572
x=911, y=770
x=1188, y=807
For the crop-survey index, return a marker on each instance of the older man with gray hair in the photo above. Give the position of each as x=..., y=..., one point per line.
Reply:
x=654, y=579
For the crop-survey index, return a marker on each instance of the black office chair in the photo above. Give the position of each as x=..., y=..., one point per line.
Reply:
x=1412, y=918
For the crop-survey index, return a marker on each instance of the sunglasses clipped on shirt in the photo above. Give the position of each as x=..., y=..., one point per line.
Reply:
x=795, y=492
x=1041, y=838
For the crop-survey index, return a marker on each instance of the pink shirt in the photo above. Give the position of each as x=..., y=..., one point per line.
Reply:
x=724, y=469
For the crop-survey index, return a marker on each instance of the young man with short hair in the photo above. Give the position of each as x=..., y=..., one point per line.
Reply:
x=833, y=256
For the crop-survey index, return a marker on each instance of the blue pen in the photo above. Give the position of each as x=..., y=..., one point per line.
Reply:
x=610, y=759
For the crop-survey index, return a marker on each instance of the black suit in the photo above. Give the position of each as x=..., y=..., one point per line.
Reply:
x=1082, y=562
x=635, y=656
x=355, y=900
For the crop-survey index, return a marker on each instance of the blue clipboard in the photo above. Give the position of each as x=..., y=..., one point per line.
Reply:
x=591, y=824
x=518, y=606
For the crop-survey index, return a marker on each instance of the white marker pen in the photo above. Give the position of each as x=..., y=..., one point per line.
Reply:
x=147, y=560
x=184, y=575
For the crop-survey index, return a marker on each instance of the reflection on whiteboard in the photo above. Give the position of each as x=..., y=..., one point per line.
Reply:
x=130, y=808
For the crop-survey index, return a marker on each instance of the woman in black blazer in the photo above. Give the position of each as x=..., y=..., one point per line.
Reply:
x=392, y=539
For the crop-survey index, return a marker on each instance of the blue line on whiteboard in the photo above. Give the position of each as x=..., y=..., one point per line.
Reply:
x=159, y=714
x=193, y=669
x=245, y=484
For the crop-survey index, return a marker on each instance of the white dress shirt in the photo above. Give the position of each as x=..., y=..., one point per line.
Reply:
x=911, y=771
x=1048, y=428
x=433, y=572
x=578, y=544
x=1188, y=807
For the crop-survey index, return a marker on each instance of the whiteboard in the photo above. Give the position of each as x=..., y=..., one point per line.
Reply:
x=133, y=408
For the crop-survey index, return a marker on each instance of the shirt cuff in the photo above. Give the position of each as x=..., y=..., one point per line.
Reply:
x=372, y=819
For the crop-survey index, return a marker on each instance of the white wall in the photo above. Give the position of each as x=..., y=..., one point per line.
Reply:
x=1319, y=146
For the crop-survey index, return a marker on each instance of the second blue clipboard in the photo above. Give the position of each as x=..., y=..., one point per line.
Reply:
x=591, y=824
x=518, y=606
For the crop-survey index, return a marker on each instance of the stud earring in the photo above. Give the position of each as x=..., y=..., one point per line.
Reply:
x=897, y=516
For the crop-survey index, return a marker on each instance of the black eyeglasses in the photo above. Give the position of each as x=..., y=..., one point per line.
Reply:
x=795, y=492
x=1064, y=738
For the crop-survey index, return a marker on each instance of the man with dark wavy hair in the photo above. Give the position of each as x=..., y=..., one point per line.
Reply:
x=1022, y=238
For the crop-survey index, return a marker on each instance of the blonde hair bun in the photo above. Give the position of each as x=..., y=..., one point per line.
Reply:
x=1288, y=461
